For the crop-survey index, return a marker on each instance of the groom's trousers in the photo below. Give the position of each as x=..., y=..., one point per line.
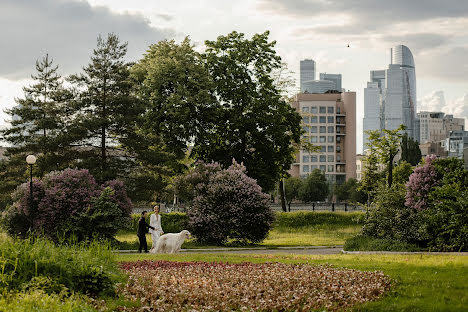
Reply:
x=143, y=244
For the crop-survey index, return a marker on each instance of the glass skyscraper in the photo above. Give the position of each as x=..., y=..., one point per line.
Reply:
x=307, y=73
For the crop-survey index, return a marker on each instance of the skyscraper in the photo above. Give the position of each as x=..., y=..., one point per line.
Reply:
x=390, y=96
x=336, y=78
x=307, y=69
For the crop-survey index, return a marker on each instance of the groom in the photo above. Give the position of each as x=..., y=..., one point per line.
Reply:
x=142, y=230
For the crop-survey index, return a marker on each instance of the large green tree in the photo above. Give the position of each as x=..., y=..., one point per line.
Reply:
x=410, y=151
x=292, y=189
x=315, y=187
x=386, y=144
x=256, y=125
x=104, y=109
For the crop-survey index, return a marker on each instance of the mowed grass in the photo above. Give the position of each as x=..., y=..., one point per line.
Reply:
x=422, y=282
x=317, y=235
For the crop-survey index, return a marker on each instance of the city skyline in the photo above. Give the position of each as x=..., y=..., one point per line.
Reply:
x=436, y=33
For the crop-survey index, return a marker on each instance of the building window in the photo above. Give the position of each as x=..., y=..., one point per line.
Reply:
x=313, y=119
x=338, y=149
x=331, y=119
x=323, y=119
x=305, y=168
x=313, y=139
x=323, y=149
x=323, y=129
x=323, y=110
x=313, y=158
x=323, y=158
x=331, y=129
x=338, y=110
x=323, y=139
x=330, y=148
x=323, y=168
x=305, y=109
x=330, y=168
x=338, y=139
x=331, y=158
x=305, y=158
x=306, y=129
x=331, y=139
x=331, y=109
x=338, y=158
x=313, y=167
x=313, y=129
x=313, y=109
x=305, y=119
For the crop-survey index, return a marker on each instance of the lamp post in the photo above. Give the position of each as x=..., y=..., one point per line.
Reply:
x=31, y=160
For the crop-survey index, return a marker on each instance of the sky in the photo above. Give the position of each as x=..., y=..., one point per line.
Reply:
x=435, y=31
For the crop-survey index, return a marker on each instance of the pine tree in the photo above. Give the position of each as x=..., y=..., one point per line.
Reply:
x=104, y=109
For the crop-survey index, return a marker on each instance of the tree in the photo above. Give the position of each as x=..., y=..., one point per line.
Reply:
x=402, y=172
x=386, y=144
x=258, y=126
x=349, y=191
x=36, y=122
x=315, y=187
x=292, y=189
x=104, y=109
x=410, y=151
x=371, y=175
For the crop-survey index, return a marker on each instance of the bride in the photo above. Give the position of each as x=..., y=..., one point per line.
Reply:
x=155, y=221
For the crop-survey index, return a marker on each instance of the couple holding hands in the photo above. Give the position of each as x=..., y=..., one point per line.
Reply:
x=154, y=227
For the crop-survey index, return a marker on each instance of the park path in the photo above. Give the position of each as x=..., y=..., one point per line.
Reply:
x=302, y=250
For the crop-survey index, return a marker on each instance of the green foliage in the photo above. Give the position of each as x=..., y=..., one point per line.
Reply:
x=292, y=189
x=410, y=151
x=389, y=218
x=259, y=127
x=315, y=187
x=173, y=222
x=349, y=191
x=301, y=219
x=40, y=264
x=385, y=144
x=368, y=243
x=402, y=172
x=41, y=301
x=372, y=176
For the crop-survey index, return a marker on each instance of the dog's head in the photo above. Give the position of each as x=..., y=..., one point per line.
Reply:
x=186, y=233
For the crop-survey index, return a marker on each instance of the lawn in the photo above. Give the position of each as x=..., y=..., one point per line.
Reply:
x=315, y=235
x=422, y=282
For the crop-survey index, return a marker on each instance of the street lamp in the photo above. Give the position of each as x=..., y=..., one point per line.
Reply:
x=31, y=160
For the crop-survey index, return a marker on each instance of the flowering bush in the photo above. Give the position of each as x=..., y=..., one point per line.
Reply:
x=227, y=204
x=69, y=201
x=420, y=183
x=201, y=286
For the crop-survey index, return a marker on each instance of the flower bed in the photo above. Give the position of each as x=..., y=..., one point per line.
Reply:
x=202, y=286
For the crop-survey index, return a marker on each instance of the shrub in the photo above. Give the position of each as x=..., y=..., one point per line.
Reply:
x=173, y=222
x=229, y=205
x=40, y=264
x=69, y=201
x=420, y=183
x=389, y=218
x=309, y=218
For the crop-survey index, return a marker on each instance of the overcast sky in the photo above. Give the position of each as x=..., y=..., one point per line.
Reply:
x=435, y=31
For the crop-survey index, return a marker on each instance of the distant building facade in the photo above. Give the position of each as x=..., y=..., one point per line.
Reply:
x=390, y=96
x=319, y=86
x=336, y=78
x=307, y=72
x=329, y=121
x=436, y=126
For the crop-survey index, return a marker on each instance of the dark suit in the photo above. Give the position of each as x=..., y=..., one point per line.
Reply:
x=142, y=230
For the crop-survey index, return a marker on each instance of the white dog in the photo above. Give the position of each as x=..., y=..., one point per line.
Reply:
x=171, y=242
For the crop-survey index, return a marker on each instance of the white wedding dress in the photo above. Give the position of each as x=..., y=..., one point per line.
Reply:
x=155, y=221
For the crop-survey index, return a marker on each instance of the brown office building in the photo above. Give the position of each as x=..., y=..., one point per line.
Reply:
x=329, y=121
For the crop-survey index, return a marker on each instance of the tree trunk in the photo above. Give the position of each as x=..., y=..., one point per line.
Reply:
x=390, y=171
x=283, y=198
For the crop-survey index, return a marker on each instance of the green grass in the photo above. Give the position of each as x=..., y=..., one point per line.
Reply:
x=364, y=243
x=422, y=282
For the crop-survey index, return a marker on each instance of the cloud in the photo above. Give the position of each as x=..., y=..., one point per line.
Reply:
x=67, y=30
x=376, y=12
x=435, y=102
x=432, y=102
x=446, y=63
x=417, y=41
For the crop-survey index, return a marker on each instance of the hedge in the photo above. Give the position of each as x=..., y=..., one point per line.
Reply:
x=173, y=222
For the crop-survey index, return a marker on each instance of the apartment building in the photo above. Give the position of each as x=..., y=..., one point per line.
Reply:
x=329, y=121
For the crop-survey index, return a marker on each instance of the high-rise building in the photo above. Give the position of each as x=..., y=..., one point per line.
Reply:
x=307, y=72
x=394, y=94
x=329, y=121
x=336, y=78
x=318, y=86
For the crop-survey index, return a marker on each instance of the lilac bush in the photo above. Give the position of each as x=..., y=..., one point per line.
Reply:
x=420, y=184
x=227, y=204
x=61, y=200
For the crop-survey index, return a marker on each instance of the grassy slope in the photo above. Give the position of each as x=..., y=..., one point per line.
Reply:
x=422, y=282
